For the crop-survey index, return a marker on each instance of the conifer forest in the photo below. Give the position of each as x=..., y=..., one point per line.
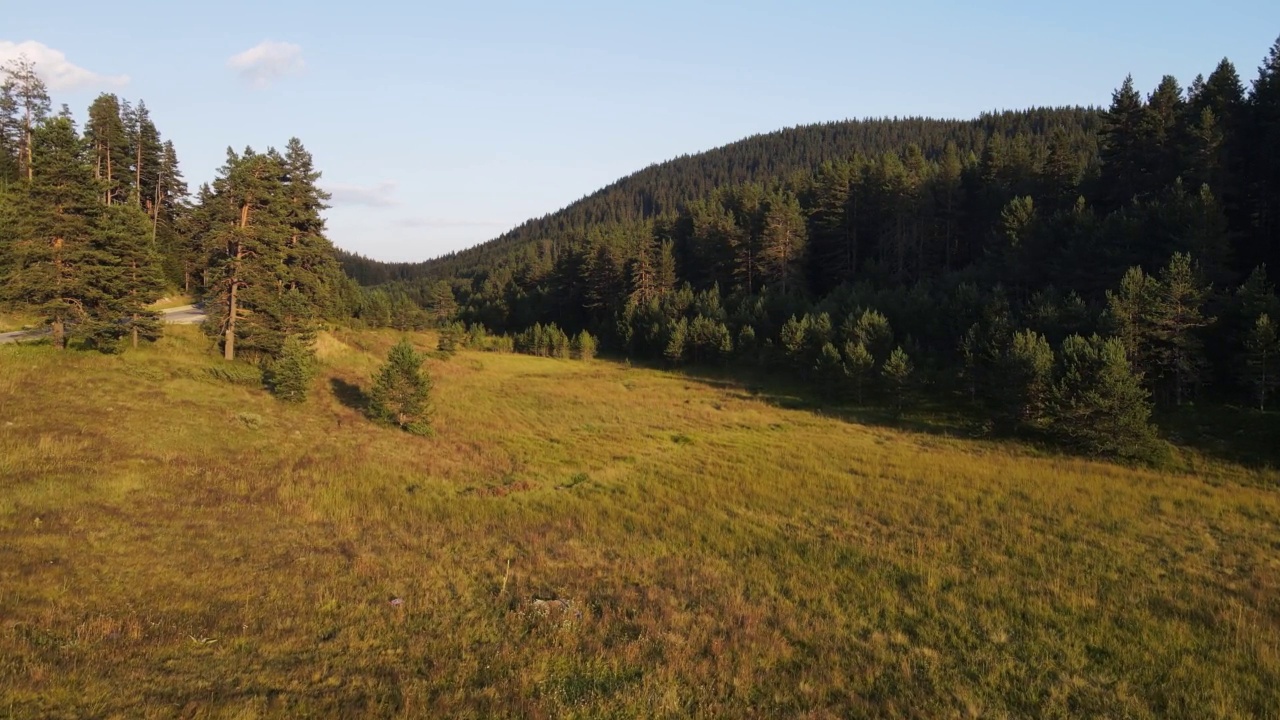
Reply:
x=882, y=417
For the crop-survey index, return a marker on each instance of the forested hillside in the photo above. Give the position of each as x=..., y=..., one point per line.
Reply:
x=662, y=189
x=1063, y=270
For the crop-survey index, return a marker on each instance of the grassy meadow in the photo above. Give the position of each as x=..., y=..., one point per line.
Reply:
x=175, y=542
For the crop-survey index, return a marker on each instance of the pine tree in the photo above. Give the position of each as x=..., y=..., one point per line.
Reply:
x=1131, y=316
x=401, y=391
x=708, y=339
x=1177, y=318
x=291, y=313
x=1263, y=181
x=440, y=302
x=1163, y=139
x=289, y=376
x=984, y=349
x=451, y=337
x=782, y=244
x=246, y=236
x=197, y=249
x=713, y=248
x=642, y=272
x=858, y=364
x=584, y=346
x=949, y=202
x=561, y=345
x=1123, y=172
x=605, y=281
x=147, y=157
x=310, y=265
x=131, y=278
x=664, y=269
x=53, y=263
x=108, y=140
x=793, y=337
x=170, y=220
x=677, y=338
x=829, y=371
x=1062, y=170
x=896, y=372
x=11, y=134
x=1028, y=379
x=1018, y=224
x=1262, y=360
x=872, y=330
x=747, y=345
x=832, y=235
x=739, y=230
x=1099, y=405
x=1222, y=93
x=1256, y=296
x=27, y=98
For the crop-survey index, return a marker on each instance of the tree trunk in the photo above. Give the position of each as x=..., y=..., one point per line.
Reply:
x=30, y=171
x=229, y=343
x=59, y=334
x=155, y=215
x=137, y=182
x=135, y=332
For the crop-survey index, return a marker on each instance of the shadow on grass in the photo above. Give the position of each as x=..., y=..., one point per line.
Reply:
x=350, y=395
x=1239, y=435
x=919, y=415
x=1231, y=434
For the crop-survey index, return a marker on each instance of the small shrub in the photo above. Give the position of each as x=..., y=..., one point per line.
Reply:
x=253, y=421
x=543, y=341
x=235, y=373
x=897, y=377
x=289, y=376
x=499, y=344
x=401, y=392
x=584, y=346
x=452, y=337
x=1099, y=405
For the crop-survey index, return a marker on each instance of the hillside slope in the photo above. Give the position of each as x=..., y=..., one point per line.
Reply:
x=174, y=542
x=662, y=188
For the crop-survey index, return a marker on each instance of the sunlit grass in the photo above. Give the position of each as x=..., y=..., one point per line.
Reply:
x=12, y=320
x=172, y=301
x=173, y=543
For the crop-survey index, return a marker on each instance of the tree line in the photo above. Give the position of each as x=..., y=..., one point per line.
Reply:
x=1048, y=266
x=83, y=218
x=97, y=224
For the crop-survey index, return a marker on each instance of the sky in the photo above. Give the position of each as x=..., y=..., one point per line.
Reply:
x=441, y=125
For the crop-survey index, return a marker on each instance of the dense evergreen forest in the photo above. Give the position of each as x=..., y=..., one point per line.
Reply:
x=96, y=225
x=1062, y=269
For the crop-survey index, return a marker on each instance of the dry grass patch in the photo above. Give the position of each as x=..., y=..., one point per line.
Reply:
x=723, y=557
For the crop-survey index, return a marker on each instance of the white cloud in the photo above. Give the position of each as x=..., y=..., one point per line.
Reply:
x=54, y=68
x=380, y=195
x=267, y=62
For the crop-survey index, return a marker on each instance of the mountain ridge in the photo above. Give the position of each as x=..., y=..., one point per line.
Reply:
x=662, y=187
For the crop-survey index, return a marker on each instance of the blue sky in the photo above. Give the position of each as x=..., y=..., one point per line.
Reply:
x=438, y=126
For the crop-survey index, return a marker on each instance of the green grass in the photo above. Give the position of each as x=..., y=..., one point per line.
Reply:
x=175, y=542
x=13, y=320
